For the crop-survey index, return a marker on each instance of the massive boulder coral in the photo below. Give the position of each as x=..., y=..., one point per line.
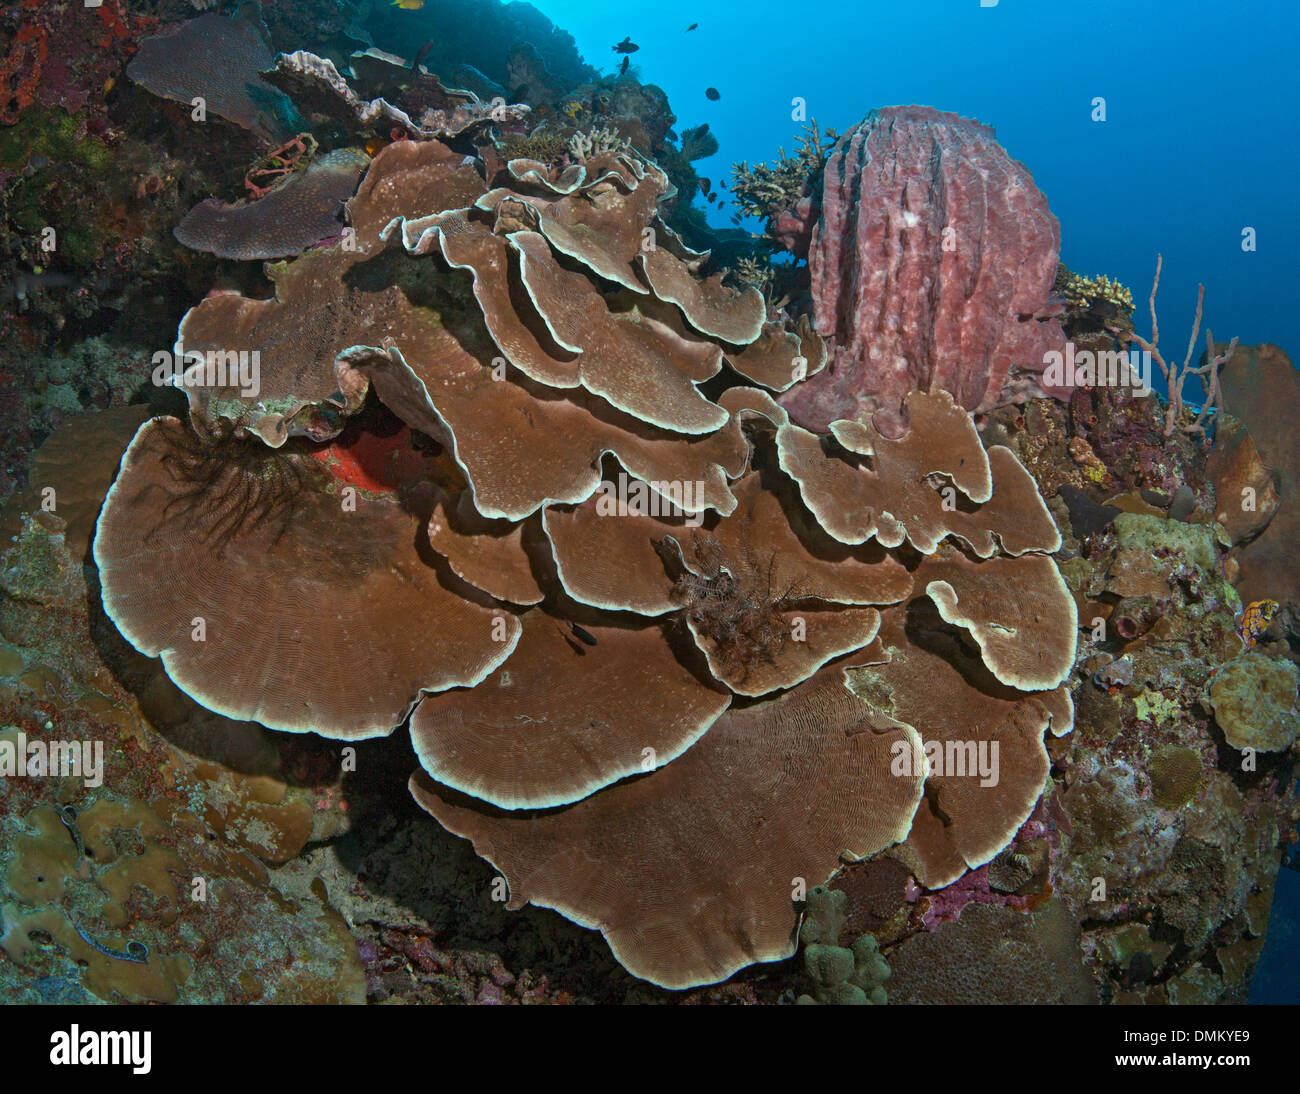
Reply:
x=932, y=266
x=671, y=657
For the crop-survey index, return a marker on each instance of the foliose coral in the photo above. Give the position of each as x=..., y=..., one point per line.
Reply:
x=302, y=211
x=568, y=503
x=414, y=103
x=1099, y=299
x=218, y=60
x=1257, y=702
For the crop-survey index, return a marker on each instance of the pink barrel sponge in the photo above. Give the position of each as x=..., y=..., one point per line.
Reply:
x=932, y=267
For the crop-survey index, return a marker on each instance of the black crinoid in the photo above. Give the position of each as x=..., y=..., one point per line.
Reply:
x=228, y=484
x=732, y=601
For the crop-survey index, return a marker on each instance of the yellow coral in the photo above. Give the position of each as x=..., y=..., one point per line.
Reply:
x=1081, y=293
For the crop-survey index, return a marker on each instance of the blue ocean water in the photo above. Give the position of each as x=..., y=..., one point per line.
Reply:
x=1153, y=126
x=1197, y=146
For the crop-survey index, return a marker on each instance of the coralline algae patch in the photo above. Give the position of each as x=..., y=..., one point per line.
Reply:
x=152, y=886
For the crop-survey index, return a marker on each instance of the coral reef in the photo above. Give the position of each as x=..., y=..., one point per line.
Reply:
x=780, y=578
x=70, y=64
x=718, y=623
x=149, y=886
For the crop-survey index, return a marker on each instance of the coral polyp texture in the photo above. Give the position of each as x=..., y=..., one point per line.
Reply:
x=932, y=268
x=216, y=62
x=669, y=658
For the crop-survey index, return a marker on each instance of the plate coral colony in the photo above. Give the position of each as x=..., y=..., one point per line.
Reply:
x=839, y=589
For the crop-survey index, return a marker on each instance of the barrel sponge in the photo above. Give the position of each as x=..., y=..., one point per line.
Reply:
x=932, y=267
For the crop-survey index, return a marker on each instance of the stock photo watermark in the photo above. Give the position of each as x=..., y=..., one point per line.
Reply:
x=631, y=497
x=214, y=368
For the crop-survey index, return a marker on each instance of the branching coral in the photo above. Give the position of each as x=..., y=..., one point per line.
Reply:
x=543, y=144
x=1176, y=375
x=764, y=190
x=1089, y=296
x=753, y=271
x=595, y=142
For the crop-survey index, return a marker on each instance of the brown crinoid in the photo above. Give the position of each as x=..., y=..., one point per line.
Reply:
x=223, y=486
x=733, y=602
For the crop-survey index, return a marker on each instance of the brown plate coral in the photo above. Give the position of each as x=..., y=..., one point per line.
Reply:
x=669, y=659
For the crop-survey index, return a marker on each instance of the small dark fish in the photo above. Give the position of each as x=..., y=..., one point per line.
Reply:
x=712, y=94
x=722, y=186
x=711, y=198
x=705, y=187
x=627, y=63
x=586, y=636
x=692, y=27
x=735, y=220
x=625, y=46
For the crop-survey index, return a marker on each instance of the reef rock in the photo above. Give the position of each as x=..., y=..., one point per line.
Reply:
x=1246, y=490
x=1262, y=388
